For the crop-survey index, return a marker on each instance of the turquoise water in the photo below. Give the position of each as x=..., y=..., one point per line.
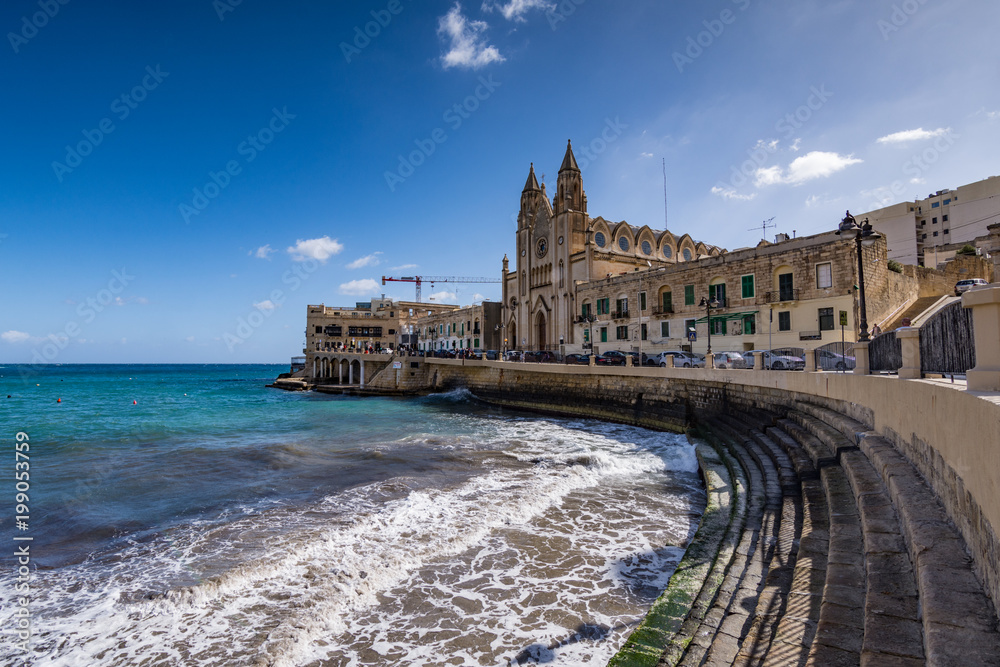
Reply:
x=187, y=515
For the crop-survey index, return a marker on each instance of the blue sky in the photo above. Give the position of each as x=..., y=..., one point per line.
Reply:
x=181, y=179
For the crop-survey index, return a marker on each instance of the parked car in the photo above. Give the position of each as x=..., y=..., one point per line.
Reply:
x=699, y=359
x=492, y=355
x=729, y=360
x=681, y=359
x=512, y=355
x=832, y=361
x=777, y=362
x=539, y=356
x=610, y=358
x=581, y=359
x=963, y=286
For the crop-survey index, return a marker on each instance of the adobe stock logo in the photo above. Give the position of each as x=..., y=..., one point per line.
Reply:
x=37, y=21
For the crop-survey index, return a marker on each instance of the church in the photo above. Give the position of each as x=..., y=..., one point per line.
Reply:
x=560, y=248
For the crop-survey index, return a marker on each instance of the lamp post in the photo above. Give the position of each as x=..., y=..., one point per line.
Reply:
x=863, y=235
x=708, y=305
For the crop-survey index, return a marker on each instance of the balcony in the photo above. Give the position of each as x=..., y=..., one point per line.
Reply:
x=778, y=296
x=663, y=310
x=620, y=315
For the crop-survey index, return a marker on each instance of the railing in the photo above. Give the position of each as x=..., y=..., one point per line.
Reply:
x=947, y=344
x=298, y=363
x=620, y=315
x=778, y=296
x=663, y=310
x=885, y=353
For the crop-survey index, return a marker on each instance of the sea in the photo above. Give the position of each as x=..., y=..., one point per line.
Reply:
x=189, y=515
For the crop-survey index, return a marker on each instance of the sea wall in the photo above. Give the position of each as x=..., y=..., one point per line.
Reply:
x=951, y=435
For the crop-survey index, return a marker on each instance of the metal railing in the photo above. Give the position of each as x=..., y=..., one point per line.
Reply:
x=777, y=296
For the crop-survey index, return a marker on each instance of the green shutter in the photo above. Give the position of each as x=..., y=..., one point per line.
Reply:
x=642, y=301
x=668, y=302
x=748, y=287
x=665, y=329
x=689, y=295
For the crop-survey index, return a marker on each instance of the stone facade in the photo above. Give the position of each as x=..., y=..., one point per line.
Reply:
x=559, y=246
x=476, y=327
x=379, y=323
x=785, y=294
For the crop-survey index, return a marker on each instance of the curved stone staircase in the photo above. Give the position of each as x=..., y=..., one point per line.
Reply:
x=822, y=545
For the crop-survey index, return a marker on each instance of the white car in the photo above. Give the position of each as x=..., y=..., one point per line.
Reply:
x=681, y=359
x=778, y=362
x=963, y=286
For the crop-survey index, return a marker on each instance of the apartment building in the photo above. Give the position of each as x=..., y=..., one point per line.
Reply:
x=477, y=327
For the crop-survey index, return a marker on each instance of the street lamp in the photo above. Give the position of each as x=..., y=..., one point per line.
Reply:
x=863, y=235
x=708, y=305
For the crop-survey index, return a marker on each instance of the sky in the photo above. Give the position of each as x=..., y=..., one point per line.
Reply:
x=180, y=180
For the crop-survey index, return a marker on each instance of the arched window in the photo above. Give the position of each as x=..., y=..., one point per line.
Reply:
x=623, y=243
x=599, y=239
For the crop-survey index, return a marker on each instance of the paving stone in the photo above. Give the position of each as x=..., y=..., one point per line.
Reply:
x=847, y=616
x=892, y=583
x=885, y=542
x=902, y=606
x=958, y=607
x=872, y=659
x=898, y=636
x=843, y=637
x=735, y=625
x=803, y=605
x=847, y=596
x=838, y=574
x=888, y=563
x=828, y=656
x=951, y=646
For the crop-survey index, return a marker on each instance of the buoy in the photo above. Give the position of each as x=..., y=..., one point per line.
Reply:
x=135, y=402
x=58, y=400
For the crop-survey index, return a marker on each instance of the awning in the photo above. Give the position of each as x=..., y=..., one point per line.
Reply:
x=728, y=316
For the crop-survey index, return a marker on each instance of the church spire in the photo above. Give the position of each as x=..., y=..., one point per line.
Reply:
x=532, y=183
x=569, y=161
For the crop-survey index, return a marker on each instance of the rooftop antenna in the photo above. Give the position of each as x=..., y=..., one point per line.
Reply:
x=665, y=225
x=763, y=227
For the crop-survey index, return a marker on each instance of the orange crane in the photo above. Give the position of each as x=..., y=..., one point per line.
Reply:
x=435, y=279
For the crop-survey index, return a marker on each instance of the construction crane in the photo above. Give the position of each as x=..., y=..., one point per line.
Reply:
x=435, y=279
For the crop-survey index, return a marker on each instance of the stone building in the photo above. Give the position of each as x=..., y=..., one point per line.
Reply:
x=477, y=327
x=786, y=294
x=559, y=246
x=379, y=323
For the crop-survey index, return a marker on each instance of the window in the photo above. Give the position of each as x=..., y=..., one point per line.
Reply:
x=718, y=292
x=746, y=283
x=604, y=334
x=647, y=249
x=668, y=302
x=749, y=325
x=687, y=254
x=667, y=252
x=946, y=231
x=923, y=223
x=689, y=295
x=623, y=243
x=935, y=233
x=933, y=221
x=947, y=201
x=824, y=275
x=319, y=330
x=785, y=287
x=621, y=306
x=665, y=329
x=603, y=306
x=586, y=335
x=936, y=204
x=826, y=319
x=643, y=333
x=923, y=236
x=585, y=311
x=642, y=301
x=784, y=321
x=718, y=326
x=944, y=218
x=599, y=239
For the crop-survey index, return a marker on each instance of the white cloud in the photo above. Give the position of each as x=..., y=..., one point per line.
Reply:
x=812, y=165
x=767, y=176
x=646, y=154
x=467, y=48
x=265, y=305
x=443, y=297
x=15, y=336
x=729, y=193
x=907, y=136
x=367, y=260
x=190, y=339
x=477, y=297
x=319, y=249
x=403, y=267
x=515, y=10
x=263, y=252
x=364, y=287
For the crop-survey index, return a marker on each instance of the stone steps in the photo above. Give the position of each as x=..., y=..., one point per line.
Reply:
x=842, y=555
